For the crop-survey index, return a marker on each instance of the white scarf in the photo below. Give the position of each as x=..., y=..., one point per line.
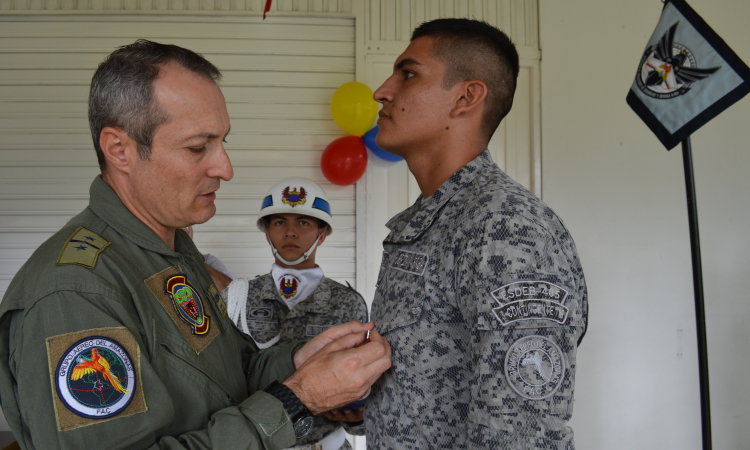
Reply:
x=294, y=285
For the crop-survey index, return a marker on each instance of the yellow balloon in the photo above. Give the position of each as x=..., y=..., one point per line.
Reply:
x=353, y=108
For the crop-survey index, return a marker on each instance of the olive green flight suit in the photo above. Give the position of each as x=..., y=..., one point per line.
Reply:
x=190, y=390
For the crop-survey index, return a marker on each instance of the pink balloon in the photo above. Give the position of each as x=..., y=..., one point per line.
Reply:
x=344, y=160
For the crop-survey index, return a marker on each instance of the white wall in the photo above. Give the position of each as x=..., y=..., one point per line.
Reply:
x=623, y=198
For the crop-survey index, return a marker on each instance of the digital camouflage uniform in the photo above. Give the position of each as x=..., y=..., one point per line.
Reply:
x=106, y=282
x=482, y=298
x=331, y=303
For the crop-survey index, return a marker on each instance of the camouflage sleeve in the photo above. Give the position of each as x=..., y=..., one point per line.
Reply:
x=521, y=290
x=273, y=364
x=352, y=307
x=346, y=304
x=355, y=429
x=357, y=305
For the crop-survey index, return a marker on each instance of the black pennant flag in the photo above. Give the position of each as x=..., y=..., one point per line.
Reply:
x=687, y=76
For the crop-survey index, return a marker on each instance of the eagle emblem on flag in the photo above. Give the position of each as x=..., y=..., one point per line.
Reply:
x=686, y=75
x=293, y=196
x=288, y=287
x=668, y=69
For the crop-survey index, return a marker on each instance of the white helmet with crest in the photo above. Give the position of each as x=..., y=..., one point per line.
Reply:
x=296, y=195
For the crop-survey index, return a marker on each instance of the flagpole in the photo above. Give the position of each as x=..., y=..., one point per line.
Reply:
x=700, y=316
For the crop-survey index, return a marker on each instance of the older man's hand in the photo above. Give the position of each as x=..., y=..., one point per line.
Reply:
x=331, y=334
x=345, y=415
x=334, y=369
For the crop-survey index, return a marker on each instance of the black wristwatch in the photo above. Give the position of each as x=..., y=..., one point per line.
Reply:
x=301, y=417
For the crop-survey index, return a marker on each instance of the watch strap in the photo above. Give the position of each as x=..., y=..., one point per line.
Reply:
x=292, y=404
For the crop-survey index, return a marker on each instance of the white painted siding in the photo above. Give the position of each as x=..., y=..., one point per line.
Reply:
x=279, y=76
x=394, y=20
x=277, y=7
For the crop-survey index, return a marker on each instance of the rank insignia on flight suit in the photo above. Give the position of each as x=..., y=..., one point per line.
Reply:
x=95, y=376
x=218, y=299
x=82, y=248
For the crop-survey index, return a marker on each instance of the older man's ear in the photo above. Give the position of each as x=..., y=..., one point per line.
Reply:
x=118, y=148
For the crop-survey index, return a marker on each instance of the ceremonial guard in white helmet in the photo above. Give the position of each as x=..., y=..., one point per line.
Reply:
x=295, y=301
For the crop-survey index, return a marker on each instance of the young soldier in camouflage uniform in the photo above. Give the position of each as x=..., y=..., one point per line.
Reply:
x=295, y=301
x=112, y=334
x=481, y=293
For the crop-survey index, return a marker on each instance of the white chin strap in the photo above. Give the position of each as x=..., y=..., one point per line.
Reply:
x=301, y=258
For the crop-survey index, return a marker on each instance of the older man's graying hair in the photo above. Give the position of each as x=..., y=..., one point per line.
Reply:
x=122, y=91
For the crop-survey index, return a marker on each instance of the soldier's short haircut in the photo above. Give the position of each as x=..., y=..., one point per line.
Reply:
x=475, y=50
x=122, y=93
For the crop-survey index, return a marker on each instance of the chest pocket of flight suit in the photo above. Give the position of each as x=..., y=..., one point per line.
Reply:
x=187, y=379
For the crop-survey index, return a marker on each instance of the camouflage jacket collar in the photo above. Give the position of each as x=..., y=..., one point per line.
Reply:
x=317, y=302
x=106, y=204
x=412, y=222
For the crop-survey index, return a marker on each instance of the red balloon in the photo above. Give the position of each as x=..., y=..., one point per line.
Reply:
x=344, y=160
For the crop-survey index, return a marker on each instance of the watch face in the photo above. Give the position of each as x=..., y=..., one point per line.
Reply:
x=303, y=426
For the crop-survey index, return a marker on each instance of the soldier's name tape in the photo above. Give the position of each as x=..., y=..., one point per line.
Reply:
x=273, y=327
x=410, y=262
x=528, y=300
x=405, y=261
x=262, y=326
x=534, y=367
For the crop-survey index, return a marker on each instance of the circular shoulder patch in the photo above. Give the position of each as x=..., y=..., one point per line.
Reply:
x=534, y=367
x=95, y=378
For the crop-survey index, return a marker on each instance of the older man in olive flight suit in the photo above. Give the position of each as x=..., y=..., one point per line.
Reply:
x=113, y=335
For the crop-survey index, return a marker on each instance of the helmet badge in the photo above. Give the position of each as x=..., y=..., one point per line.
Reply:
x=293, y=196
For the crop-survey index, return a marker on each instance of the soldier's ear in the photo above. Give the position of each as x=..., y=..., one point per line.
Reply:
x=118, y=148
x=323, y=236
x=470, y=95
